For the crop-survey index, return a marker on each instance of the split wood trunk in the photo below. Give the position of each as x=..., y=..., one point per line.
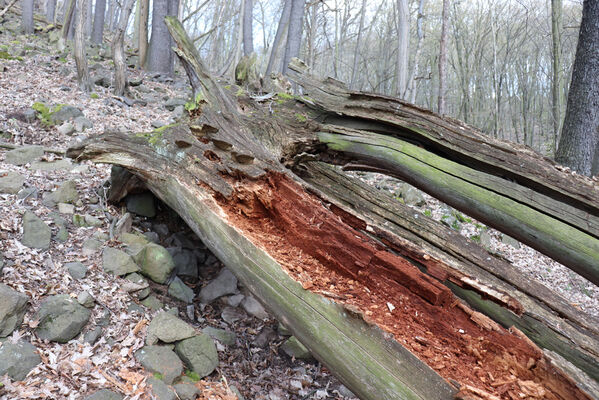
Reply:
x=395, y=304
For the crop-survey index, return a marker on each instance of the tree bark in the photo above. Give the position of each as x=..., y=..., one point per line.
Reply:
x=79, y=49
x=305, y=241
x=556, y=82
x=143, y=32
x=120, y=67
x=50, y=10
x=580, y=132
x=27, y=17
x=160, y=54
x=354, y=70
x=248, y=36
x=281, y=29
x=403, y=40
x=294, y=34
x=98, y=28
x=68, y=17
x=443, y=58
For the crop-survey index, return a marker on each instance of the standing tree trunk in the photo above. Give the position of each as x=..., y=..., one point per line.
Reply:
x=80, y=59
x=352, y=81
x=68, y=17
x=580, y=132
x=556, y=83
x=420, y=33
x=443, y=58
x=89, y=19
x=143, y=31
x=248, y=37
x=403, y=39
x=294, y=35
x=50, y=10
x=27, y=15
x=98, y=29
x=120, y=68
x=159, y=54
x=281, y=29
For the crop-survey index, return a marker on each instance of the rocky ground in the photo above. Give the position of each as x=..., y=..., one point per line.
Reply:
x=105, y=301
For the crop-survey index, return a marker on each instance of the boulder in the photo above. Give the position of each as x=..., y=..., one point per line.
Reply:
x=81, y=124
x=86, y=299
x=18, y=359
x=65, y=193
x=152, y=303
x=58, y=165
x=36, y=234
x=186, y=391
x=66, y=129
x=160, y=360
x=232, y=314
x=180, y=291
x=104, y=394
x=185, y=262
x=60, y=318
x=223, y=336
x=76, y=269
x=253, y=307
x=11, y=182
x=225, y=283
x=64, y=113
x=13, y=306
x=141, y=204
x=23, y=155
x=160, y=391
x=118, y=262
x=199, y=354
x=155, y=262
x=65, y=208
x=168, y=328
x=174, y=102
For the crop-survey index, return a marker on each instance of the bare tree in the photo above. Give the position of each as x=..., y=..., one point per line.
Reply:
x=354, y=70
x=68, y=18
x=50, y=10
x=411, y=89
x=294, y=35
x=443, y=58
x=89, y=19
x=281, y=29
x=27, y=16
x=248, y=37
x=403, y=39
x=98, y=28
x=80, y=59
x=556, y=83
x=160, y=53
x=120, y=76
x=580, y=132
x=144, y=10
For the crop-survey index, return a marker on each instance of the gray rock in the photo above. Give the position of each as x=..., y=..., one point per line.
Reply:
x=185, y=262
x=81, y=124
x=16, y=360
x=30, y=115
x=186, y=391
x=171, y=103
x=65, y=193
x=180, y=291
x=91, y=246
x=60, y=318
x=76, y=269
x=232, y=314
x=93, y=335
x=283, y=331
x=65, y=113
x=27, y=193
x=160, y=391
x=13, y=306
x=104, y=394
x=118, y=262
x=90, y=220
x=155, y=262
x=152, y=303
x=102, y=80
x=141, y=204
x=225, y=337
x=36, y=234
x=236, y=392
x=345, y=392
x=225, y=283
x=23, y=155
x=178, y=113
x=234, y=300
x=253, y=307
x=66, y=129
x=510, y=241
x=86, y=299
x=199, y=354
x=451, y=221
x=135, y=82
x=160, y=360
x=65, y=208
x=123, y=225
x=264, y=337
x=62, y=235
x=412, y=196
x=2, y=263
x=154, y=238
x=161, y=229
x=295, y=349
x=11, y=182
x=485, y=239
x=58, y=165
x=168, y=328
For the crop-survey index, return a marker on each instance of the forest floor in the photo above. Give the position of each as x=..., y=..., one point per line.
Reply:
x=75, y=369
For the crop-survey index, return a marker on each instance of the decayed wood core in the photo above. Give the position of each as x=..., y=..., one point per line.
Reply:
x=331, y=257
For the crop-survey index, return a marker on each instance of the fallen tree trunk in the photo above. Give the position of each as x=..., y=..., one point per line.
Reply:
x=223, y=174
